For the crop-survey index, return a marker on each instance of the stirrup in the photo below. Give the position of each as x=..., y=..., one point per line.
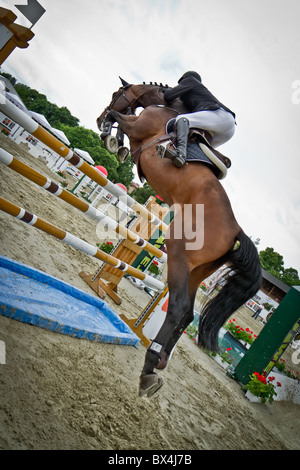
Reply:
x=165, y=152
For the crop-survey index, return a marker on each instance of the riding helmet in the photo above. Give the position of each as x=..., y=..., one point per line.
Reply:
x=190, y=73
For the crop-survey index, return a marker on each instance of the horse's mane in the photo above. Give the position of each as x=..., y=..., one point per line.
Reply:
x=160, y=85
x=177, y=105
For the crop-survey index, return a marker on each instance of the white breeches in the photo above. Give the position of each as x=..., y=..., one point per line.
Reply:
x=220, y=123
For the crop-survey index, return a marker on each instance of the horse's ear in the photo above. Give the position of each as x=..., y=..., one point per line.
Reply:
x=124, y=83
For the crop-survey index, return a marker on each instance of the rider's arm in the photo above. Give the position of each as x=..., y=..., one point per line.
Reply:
x=179, y=90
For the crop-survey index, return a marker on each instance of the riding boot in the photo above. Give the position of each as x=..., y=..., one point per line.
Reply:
x=178, y=157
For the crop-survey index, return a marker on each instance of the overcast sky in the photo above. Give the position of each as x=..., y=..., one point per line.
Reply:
x=247, y=53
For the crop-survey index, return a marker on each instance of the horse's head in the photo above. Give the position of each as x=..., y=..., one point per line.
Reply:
x=130, y=97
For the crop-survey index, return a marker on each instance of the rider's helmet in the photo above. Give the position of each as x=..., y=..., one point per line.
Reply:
x=190, y=73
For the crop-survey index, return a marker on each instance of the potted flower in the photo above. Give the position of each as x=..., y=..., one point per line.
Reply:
x=245, y=336
x=261, y=388
x=191, y=331
x=107, y=247
x=153, y=268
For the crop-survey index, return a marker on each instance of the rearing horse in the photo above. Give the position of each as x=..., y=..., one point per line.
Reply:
x=224, y=240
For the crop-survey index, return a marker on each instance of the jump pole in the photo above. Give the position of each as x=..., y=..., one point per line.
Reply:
x=77, y=243
x=44, y=182
x=31, y=126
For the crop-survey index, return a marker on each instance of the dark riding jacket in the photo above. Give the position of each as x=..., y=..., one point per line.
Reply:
x=195, y=96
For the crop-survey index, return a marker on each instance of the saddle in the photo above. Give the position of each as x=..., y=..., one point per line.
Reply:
x=199, y=149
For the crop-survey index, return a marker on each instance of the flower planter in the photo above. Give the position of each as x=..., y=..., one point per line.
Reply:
x=220, y=361
x=252, y=398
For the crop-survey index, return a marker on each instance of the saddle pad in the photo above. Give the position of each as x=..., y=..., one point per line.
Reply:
x=196, y=154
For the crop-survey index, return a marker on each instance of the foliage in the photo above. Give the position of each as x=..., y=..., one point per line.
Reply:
x=192, y=331
x=238, y=332
x=79, y=136
x=38, y=103
x=153, y=268
x=142, y=194
x=272, y=262
x=262, y=387
x=107, y=247
x=268, y=306
x=125, y=172
x=281, y=366
x=290, y=277
x=225, y=356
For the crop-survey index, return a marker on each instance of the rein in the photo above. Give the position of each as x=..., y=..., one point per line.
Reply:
x=162, y=138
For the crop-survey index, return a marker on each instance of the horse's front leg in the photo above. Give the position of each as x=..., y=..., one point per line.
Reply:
x=125, y=124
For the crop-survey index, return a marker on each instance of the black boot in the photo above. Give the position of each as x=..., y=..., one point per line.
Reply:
x=178, y=157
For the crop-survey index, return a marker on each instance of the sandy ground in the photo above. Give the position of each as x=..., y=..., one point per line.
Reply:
x=59, y=392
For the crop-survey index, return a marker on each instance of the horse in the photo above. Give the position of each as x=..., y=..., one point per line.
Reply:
x=224, y=241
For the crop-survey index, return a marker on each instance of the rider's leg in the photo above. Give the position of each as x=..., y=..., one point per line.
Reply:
x=178, y=156
x=220, y=123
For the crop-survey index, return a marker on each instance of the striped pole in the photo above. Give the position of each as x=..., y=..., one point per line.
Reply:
x=31, y=126
x=41, y=180
x=77, y=243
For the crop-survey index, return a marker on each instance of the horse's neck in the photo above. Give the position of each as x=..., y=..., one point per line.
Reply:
x=148, y=95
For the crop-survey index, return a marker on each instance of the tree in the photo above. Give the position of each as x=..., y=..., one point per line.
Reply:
x=290, y=277
x=142, y=194
x=271, y=261
x=79, y=137
x=125, y=173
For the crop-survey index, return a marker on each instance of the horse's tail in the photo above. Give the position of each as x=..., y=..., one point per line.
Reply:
x=243, y=282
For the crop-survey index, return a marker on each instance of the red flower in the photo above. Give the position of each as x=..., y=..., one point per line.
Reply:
x=279, y=384
x=155, y=262
x=228, y=349
x=247, y=329
x=261, y=378
x=233, y=319
x=271, y=379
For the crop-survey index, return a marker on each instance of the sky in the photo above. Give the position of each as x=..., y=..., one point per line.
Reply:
x=247, y=53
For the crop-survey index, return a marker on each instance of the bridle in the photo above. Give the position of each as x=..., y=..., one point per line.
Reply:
x=131, y=105
x=119, y=93
x=130, y=110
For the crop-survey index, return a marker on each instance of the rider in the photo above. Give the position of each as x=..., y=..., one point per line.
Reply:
x=205, y=112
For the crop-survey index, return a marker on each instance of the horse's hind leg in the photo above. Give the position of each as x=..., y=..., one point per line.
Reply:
x=179, y=315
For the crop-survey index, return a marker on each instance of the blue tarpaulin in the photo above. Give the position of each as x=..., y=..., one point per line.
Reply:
x=32, y=296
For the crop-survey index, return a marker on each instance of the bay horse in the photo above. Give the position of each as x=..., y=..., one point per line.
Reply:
x=224, y=240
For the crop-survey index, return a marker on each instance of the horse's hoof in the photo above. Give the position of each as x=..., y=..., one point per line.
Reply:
x=163, y=361
x=150, y=384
